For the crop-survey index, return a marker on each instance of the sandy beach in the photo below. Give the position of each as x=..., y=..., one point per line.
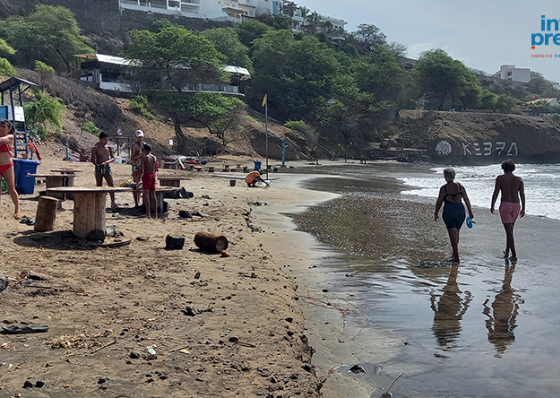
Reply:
x=219, y=326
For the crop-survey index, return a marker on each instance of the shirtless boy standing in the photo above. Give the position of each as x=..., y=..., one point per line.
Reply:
x=148, y=169
x=101, y=156
x=512, y=189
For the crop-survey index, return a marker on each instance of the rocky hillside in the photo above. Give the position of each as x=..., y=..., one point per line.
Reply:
x=479, y=138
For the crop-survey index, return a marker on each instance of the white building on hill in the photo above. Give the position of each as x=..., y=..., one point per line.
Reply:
x=112, y=73
x=510, y=72
x=217, y=10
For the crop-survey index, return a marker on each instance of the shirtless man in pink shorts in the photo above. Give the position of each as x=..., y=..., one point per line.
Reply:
x=512, y=190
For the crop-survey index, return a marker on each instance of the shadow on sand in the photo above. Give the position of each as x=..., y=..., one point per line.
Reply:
x=58, y=240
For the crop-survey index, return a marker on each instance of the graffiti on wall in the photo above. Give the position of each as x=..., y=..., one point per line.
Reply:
x=487, y=148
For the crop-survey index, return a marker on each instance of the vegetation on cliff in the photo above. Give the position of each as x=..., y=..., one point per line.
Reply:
x=348, y=91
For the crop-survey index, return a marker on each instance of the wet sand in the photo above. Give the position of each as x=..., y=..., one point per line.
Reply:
x=485, y=328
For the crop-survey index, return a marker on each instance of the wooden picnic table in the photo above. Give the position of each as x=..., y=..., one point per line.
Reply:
x=160, y=195
x=66, y=171
x=56, y=180
x=171, y=181
x=89, y=206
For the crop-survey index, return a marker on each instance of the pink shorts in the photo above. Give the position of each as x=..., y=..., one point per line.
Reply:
x=509, y=212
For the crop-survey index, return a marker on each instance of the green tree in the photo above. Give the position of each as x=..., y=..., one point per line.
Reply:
x=49, y=33
x=442, y=78
x=297, y=74
x=170, y=63
x=313, y=21
x=6, y=68
x=42, y=112
x=226, y=41
x=251, y=29
x=217, y=112
x=371, y=37
x=278, y=22
x=5, y=48
x=45, y=72
x=540, y=86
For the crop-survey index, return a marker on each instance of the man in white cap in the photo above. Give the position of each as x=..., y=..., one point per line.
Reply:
x=136, y=154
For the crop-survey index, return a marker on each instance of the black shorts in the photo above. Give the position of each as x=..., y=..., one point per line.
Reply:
x=453, y=215
x=102, y=170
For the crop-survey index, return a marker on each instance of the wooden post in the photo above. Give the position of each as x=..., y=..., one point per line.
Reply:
x=89, y=212
x=46, y=214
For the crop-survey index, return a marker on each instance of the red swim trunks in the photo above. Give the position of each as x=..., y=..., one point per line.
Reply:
x=149, y=181
x=509, y=212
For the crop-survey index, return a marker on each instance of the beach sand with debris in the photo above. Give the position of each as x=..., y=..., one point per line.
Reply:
x=142, y=321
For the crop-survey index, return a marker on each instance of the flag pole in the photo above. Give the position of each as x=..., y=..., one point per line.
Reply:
x=266, y=129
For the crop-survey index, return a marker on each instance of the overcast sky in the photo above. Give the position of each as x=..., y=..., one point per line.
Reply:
x=482, y=34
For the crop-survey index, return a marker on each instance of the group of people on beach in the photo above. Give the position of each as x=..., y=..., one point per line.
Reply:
x=453, y=194
x=144, y=170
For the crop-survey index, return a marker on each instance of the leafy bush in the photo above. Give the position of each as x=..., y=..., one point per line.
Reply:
x=140, y=105
x=6, y=68
x=41, y=113
x=556, y=118
x=298, y=125
x=91, y=128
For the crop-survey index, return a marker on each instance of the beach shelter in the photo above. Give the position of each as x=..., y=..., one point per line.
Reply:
x=12, y=110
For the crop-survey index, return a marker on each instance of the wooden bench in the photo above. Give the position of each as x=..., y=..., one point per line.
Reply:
x=89, y=206
x=57, y=180
x=171, y=181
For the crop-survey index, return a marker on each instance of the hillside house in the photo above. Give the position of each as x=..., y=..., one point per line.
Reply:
x=112, y=73
x=217, y=10
x=511, y=73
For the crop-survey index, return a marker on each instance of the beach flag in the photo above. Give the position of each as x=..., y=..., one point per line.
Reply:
x=119, y=131
x=265, y=98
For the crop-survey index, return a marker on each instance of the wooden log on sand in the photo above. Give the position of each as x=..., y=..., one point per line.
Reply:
x=46, y=214
x=210, y=242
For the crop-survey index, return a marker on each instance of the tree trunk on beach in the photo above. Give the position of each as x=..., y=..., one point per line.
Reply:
x=180, y=135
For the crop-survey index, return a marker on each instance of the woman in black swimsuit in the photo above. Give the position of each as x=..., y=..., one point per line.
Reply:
x=452, y=194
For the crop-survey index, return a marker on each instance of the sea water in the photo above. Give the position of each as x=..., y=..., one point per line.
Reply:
x=542, y=183
x=485, y=328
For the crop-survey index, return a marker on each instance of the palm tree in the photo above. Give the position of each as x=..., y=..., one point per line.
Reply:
x=290, y=8
x=313, y=21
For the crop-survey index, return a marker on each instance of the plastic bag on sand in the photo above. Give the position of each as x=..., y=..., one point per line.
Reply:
x=260, y=184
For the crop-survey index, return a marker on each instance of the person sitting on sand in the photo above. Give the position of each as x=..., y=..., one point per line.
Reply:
x=253, y=177
x=101, y=157
x=451, y=195
x=512, y=189
x=7, y=140
x=148, y=169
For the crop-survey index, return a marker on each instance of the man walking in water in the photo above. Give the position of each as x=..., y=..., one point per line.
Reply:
x=512, y=190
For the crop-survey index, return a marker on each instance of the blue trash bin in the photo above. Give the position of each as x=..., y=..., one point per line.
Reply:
x=25, y=185
x=258, y=164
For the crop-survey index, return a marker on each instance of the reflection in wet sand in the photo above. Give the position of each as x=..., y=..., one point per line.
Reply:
x=449, y=310
x=502, y=321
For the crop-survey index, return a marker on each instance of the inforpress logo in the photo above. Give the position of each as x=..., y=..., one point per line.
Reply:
x=546, y=37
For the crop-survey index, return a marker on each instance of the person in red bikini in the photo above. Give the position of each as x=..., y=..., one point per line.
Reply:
x=512, y=189
x=148, y=169
x=7, y=140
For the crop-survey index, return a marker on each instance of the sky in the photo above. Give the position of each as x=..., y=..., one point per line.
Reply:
x=482, y=34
